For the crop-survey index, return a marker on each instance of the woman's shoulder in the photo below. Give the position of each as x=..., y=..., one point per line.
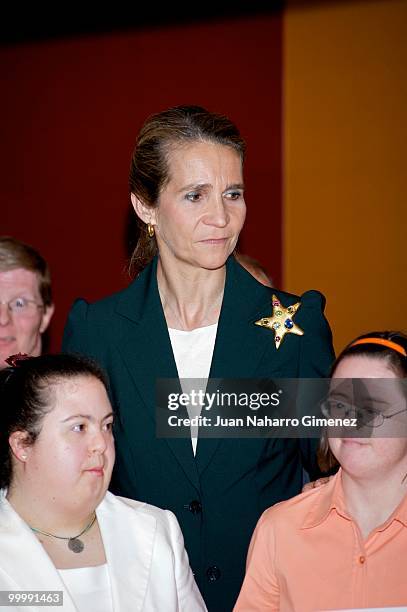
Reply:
x=102, y=307
x=107, y=305
x=164, y=519
x=312, y=298
x=293, y=512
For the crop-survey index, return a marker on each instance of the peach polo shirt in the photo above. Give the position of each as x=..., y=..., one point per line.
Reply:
x=307, y=554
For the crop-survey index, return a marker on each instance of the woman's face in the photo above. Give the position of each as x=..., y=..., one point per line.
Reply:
x=372, y=455
x=72, y=459
x=201, y=209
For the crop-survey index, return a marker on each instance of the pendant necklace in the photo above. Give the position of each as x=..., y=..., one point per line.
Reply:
x=74, y=543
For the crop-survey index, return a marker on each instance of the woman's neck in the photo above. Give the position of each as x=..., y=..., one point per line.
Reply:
x=191, y=297
x=371, y=501
x=46, y=514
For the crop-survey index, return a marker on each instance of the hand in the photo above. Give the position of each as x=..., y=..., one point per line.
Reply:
x=316, y=483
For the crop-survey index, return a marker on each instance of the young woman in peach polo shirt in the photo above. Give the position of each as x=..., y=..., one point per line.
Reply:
x=343, y=545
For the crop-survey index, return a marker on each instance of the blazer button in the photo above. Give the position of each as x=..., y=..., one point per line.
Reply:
x=213, y=573
x=195, y=507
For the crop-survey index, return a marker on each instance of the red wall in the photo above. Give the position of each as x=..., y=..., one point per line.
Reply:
x=71, y=110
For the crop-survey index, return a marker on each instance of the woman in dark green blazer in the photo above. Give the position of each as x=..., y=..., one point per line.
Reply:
x=187, y=189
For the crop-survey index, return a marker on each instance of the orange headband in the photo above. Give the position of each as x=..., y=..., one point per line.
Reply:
x=383, y=342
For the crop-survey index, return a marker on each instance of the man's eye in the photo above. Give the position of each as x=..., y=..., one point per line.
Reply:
x=193, y=196
x=19, y=303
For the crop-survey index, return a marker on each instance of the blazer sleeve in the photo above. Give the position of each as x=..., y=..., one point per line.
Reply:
x=316, y=352
x=189, y=597
x=260, y=591
x=315, y=361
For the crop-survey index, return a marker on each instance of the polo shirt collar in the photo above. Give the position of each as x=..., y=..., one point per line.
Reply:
x=332, y=498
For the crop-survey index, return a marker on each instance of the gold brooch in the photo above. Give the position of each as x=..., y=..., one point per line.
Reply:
x=281, y=321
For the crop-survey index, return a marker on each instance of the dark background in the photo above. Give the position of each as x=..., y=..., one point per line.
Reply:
x=76, y=90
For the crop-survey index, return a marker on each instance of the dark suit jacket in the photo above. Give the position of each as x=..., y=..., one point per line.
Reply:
x=230, y=481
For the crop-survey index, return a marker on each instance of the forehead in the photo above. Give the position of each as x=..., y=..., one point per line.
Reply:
x=360, y=378
x=363, y=366
x=79, y=394
x=19, y=280
x=201, y=160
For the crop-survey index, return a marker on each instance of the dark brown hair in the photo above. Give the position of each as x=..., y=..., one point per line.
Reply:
x=16, y=254
x=149, y=170
x=26, y=397
x=395, y=360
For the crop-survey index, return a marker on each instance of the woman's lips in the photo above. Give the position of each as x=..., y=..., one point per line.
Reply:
x=97, y=471
x=214, y=241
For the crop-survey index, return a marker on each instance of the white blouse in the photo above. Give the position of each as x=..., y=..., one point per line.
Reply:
x=89, y=588
x=193, y=351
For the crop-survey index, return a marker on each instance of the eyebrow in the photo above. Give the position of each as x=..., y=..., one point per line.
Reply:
x=235, y=186
x=86, y=416
x=206, y=185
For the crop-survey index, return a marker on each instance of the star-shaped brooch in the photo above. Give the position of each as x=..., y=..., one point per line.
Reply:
x=281, y=321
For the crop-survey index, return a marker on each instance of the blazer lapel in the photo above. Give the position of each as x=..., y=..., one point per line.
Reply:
x=145, y=346
x=24, y=560
x=240, y=344
x=129, y=548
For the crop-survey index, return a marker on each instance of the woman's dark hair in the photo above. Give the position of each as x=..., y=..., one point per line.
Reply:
x=149, y=174
x=26, y=395
x=391, y=354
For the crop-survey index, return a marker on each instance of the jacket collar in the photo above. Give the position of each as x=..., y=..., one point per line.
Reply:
x=244, y=297
x=141, y=298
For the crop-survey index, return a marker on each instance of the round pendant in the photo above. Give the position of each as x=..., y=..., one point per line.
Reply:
x=76, y=545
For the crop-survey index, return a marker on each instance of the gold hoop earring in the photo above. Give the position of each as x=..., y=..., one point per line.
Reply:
x=150, y=230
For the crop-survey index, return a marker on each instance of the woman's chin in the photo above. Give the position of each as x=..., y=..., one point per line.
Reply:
x=213, y=261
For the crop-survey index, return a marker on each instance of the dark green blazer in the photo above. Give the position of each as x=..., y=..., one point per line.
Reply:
x=218, y=495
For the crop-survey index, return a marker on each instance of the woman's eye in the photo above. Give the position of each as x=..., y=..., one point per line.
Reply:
x=233, y=195
x=79, y=427
x=193, y=196
x=370, y=412
x=108, y=426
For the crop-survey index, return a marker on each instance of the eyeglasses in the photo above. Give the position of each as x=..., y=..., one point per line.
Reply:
x=366, y=416
x=21, y=306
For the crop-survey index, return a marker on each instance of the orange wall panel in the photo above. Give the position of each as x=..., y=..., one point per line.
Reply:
x=345, y=151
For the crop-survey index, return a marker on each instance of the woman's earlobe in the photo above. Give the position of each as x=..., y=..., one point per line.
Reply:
x=18, y=445
x=142, y=211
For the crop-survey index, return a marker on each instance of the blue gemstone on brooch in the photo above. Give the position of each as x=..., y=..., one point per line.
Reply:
x=288, y=324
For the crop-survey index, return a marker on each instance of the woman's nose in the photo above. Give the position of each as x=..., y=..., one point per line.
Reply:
x=98, y=442
x=217, y=213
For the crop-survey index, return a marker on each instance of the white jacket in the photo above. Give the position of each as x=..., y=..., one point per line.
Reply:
x=147, y=562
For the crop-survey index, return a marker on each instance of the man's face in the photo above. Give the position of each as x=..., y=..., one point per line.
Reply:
x=21, y=328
